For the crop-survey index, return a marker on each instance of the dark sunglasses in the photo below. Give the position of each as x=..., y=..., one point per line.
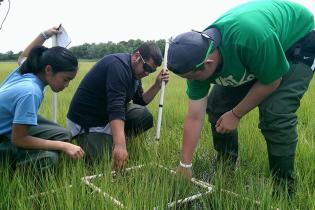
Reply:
x=210, y=49
x=146, y=66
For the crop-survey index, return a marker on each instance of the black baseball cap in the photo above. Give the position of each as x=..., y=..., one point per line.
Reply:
x=189, y=50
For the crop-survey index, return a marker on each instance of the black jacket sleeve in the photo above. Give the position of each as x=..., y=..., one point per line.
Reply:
x=118, y=82
x=138, y=97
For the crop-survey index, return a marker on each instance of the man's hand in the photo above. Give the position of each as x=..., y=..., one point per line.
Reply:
x=120, y=154
x=162, y=76
x=257, y=93
x=185, y=172
x=119, y=157
x=227, y=123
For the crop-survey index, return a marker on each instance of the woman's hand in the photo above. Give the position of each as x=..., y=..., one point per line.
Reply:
x=50, y=32
x=74, y=151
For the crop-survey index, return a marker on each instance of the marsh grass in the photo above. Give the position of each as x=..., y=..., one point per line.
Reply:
x=148, y=183
x=149, y=187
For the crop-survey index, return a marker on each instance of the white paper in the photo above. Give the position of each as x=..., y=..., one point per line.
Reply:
x=63, y=40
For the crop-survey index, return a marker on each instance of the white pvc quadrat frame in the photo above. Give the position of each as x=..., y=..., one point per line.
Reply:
x=208, y=188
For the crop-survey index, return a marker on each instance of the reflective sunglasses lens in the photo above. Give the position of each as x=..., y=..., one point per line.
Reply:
x=148, y=68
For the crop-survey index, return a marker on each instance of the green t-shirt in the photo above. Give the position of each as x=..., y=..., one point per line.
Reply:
x=254, y=38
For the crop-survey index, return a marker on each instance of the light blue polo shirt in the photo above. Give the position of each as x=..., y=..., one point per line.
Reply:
x=20, y=99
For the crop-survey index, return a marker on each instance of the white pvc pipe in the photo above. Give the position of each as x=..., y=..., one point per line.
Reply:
x=313, y=66
x=207, y=186
x=158, y=129
x=87, y=181
x=97, y=189
x=48, y=192
x=54, y=94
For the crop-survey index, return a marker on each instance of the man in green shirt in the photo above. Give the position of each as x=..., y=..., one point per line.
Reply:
x=254, y=54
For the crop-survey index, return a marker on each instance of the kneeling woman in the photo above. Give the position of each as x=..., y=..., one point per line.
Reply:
x=26, y=137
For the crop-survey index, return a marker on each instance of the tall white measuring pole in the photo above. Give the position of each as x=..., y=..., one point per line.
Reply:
x=54, y=94
x=63, y=40
x=158, y=130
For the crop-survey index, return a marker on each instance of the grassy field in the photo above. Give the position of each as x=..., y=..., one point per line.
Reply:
x=150, y=186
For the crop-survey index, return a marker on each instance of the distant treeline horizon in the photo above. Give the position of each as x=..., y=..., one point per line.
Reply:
x=95, y=51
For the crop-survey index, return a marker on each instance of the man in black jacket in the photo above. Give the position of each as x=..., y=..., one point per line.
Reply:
x=101, y=115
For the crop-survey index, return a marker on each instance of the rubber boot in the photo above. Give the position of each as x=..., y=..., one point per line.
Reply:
x=226, y=145
x=281, y=168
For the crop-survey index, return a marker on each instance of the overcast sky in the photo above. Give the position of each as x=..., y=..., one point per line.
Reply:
x=95, y=21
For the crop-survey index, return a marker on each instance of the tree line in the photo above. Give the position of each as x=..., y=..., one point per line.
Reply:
x=95, y=51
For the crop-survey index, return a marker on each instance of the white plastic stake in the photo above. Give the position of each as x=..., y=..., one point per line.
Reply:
x=158, y=130
x=54, y=94
x=313, y=66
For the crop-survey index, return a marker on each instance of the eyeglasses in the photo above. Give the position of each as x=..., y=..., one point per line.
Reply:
x=210, y=49
x=146, y=66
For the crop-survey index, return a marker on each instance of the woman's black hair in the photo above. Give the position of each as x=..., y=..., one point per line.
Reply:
x=59, y=58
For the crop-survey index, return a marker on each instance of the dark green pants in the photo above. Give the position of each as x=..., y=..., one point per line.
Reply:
x=41, y=159
x=278, y=119
x=138, y=120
